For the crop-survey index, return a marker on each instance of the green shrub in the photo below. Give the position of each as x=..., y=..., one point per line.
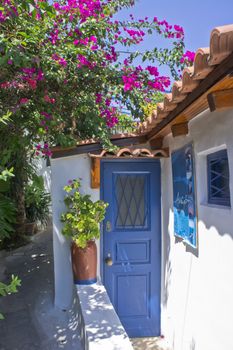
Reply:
x=6, y=289
x=7, y=207
x=37, y=201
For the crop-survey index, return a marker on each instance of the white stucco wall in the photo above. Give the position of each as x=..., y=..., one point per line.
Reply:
x=64, y=169
x=45, y=171
x=197, y=292
x=197, y=285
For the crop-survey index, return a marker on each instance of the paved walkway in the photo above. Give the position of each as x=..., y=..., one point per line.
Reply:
x=149, y=343
x=31, y=321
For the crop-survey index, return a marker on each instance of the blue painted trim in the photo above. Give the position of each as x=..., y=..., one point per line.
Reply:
x=159, y=243
x=86, y=282
x=218, y=156
x=102, y=162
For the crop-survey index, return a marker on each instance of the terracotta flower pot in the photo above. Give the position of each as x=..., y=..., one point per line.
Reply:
x=84, y=263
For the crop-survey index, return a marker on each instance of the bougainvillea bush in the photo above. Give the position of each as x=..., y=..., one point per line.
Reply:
x=62, y=76
x=60, y=71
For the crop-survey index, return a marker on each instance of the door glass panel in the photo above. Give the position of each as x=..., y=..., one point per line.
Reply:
x=130, y=201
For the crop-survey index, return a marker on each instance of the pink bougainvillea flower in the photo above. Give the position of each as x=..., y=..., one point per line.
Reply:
x=55, y=57
x=93, y=39
x=32, y=83
x=152, y=70
x=94, y=47
x=188, y=57
x=23, y=101
x=38, y=147
x=131, y=82
x=46, y=115
x=98, y=98
x=49, y=100
x=62, y=62
x=40, y=75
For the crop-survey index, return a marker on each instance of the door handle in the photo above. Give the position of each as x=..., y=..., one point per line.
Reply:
x=108, y=260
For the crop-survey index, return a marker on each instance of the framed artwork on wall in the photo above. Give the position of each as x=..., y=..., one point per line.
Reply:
x=184, y=195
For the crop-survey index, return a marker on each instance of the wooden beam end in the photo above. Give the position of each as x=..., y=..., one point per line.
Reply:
x=95, y=172
x=221, y=99
x=156, y=143
x=180, y=129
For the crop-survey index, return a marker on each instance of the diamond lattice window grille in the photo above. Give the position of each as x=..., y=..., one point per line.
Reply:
x=218, y=178
x=131, y=201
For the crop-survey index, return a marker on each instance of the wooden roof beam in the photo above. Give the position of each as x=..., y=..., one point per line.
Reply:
x=219, y=72
x=156, y=143
x=222, y=99
x=180, y=129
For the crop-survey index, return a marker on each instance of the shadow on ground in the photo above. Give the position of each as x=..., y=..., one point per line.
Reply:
x=149, y=343
x=31, y=320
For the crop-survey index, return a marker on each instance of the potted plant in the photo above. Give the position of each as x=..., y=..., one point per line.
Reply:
x=81, y=224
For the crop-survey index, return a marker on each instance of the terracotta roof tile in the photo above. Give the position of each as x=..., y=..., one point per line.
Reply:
x=201, y=66
x=132, y=153
x=221, y=46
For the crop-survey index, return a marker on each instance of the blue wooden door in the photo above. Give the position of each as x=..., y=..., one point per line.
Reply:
x=132, y=243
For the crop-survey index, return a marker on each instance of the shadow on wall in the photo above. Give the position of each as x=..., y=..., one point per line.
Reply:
x=213, y=223
x=217, y=218
x=167, y=266
x=193, y=345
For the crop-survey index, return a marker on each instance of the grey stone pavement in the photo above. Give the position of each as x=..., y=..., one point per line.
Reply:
x=31, y=320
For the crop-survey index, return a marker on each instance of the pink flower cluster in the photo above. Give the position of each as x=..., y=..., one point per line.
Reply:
x=85, y=8
x=24, y=101
x=107, y=112
x=137, y=79
x=43, y=150
x=160, y=83
x=83, y=61
x=111, y=57
x=131, y=81
x=49, y=99
x=135, y=35
x=54, y=36
x=86, y=41
x=59, y=60
x=153, y=70
x=8, y=10
x=188, y=57
x=110, y=115
x=175, y=31
x=32, y=76
x=26, y=78
x=45, y=121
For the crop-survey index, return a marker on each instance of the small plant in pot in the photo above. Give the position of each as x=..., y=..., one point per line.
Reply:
x=82, y=224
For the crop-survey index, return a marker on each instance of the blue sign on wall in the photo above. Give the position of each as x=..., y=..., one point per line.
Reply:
x=184, y=205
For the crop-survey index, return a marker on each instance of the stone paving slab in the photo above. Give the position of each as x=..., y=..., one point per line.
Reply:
x=149, y=343
x=31, y=320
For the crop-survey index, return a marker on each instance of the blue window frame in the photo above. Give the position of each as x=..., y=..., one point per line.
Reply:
x=218, y=178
